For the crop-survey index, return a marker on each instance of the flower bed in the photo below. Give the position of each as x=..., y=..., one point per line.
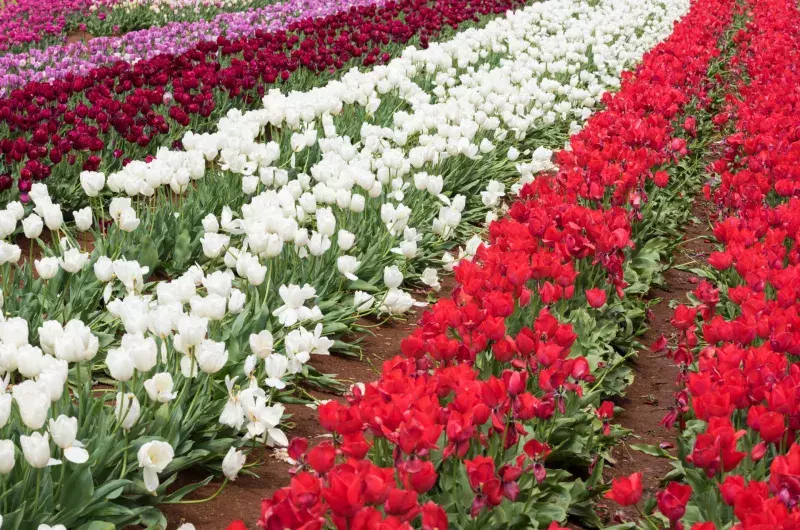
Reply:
x=80, y=58
x=738, y=456
x=116, y=113
x=173, y=339
x=500, y=388
x=26, y=23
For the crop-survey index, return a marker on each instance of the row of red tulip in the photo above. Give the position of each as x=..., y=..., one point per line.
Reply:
x=497, y=389
x=738, y=405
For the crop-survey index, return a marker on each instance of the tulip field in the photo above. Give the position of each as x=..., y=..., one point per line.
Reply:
x=202, y=201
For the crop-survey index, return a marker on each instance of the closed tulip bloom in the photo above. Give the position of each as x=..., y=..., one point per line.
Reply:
x=46, y=268
x=261, y=344
x=142, y=350
x=29, y=361
x=5, y=408
x=392, y=277
x=626, y=491
x=32, y=226
x=346, y=240
x=104, y=269
x=127, y=410
x=7, y=456
x=64, y=430
x=83, y=218
x=211, y=356
x=120, y=364
x=33, y=403
x=36, y=449
x=92, y=182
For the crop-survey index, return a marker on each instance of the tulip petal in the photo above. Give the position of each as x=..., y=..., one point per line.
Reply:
x=76, y=455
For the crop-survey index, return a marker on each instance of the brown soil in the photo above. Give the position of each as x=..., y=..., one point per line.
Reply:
x=77, y=36
x=242, y=499
x=650, y=396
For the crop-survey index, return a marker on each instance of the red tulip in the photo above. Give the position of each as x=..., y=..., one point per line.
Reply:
x=626, y=491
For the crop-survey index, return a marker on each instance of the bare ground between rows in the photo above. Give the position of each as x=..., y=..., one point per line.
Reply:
x=650, y=396
x=242, y=499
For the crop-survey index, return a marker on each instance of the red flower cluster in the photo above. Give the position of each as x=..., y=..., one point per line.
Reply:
x=489, y=371
x=736, y=344
x=117, y=111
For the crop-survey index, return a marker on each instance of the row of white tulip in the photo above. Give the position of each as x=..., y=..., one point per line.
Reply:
x=277, y=231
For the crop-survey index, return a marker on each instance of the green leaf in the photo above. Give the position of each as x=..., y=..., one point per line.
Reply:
x=97, y=525
x=547, y=513
x=183, y=250
x=79, y=488
x=148, y=253
x=652, y=450
x=186, y=490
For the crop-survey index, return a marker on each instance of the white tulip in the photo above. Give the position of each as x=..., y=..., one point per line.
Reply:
x=36, y=449
x=9, y=253
x=83, y=218
x=73, y=260
x=232, y=463
x=33, y=403
x=236, y=301
x=192, y=330
x=363, y=301
x=127, y=220
x=14, y=332
x=210, y=224
x=17, y=209
x=7, y=457
x=276, y=366
x=46, y=268
x=211, y=307
x=142, y=350
x=92, y=182
x=29, y=361
x=214, y=244
x=120, y=364
x=392, y=277
x=5, y=408
x=32, y=226
x=211, y=356
x=127, y=410
x=131, y=274
x=154, y=457
x=431, y=278
x=104, y=269
x=348, y=265
x=346, y=240
x=64, y=430
x=53, y=217
x=261, y=344
x=218, y=283
x=159, y=387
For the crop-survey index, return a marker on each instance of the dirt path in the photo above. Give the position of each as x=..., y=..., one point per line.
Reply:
x=242, y=498
x=650, y=396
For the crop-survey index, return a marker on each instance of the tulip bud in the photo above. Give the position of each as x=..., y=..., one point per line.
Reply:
x=7, y=456
x=36, y=449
